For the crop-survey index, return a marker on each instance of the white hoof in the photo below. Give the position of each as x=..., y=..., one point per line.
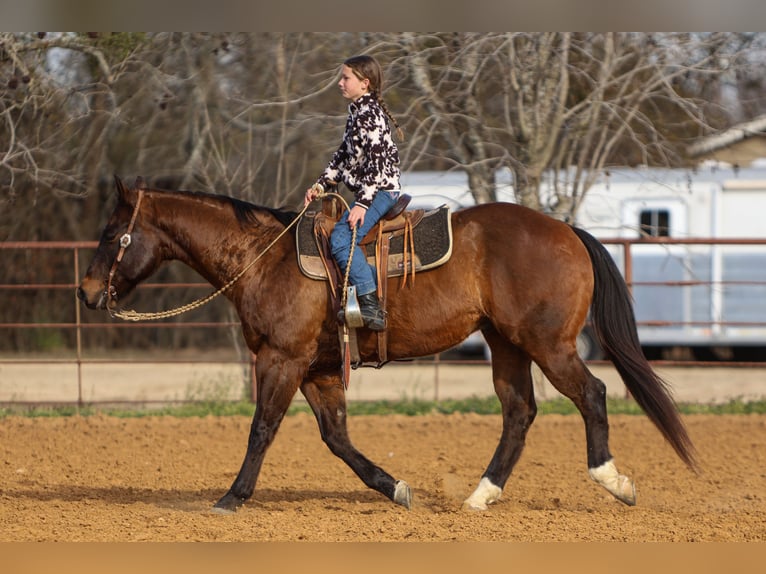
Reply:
x=619, y=485
x=403, y=494
x=484, y=495
x=474, y=506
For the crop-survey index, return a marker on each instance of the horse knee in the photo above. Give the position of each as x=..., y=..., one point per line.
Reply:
x=521, y=416
x=336, y=445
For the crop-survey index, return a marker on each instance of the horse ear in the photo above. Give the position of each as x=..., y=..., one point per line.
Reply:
x=123, y=192
x=119, y=185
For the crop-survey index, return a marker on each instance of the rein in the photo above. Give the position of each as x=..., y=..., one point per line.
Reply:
x=125, y=241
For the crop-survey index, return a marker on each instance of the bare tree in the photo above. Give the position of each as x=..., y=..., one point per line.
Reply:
x=558, y=105
x=257, y=115
x=217, y=112
x=627, y=104
x=58, y=115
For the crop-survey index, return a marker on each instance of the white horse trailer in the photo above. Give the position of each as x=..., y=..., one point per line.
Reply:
x=707, y=292
x=702, y=296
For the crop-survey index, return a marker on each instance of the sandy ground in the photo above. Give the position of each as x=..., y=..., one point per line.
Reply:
x=102, y=478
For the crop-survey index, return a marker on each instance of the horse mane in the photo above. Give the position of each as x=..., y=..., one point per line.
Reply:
x=245, y=212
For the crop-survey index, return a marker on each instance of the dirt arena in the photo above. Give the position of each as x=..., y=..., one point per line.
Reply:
x=102, y=478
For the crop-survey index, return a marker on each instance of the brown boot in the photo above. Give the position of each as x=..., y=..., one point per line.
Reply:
x=372, y=314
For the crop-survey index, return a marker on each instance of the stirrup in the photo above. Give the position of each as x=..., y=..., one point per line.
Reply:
x=352, y=314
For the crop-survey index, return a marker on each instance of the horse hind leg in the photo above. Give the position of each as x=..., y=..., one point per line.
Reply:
x=569, y=375
x=512, y=379
x=327, y=398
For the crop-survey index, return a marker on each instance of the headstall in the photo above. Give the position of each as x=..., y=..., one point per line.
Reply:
x=125, y=241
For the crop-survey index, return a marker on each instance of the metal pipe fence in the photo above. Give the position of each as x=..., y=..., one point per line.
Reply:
x=68, y=256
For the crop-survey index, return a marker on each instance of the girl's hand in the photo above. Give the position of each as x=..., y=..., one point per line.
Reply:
x=356, y=216
x=312, y=193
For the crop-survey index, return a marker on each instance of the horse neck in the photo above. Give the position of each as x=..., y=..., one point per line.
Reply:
x=203, y=232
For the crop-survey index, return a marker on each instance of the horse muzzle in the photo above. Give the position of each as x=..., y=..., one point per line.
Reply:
x=92, y=294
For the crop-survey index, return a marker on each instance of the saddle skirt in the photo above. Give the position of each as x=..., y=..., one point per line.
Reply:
x=429, y=245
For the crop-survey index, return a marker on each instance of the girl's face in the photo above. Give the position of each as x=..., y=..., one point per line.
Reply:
x=351, y=87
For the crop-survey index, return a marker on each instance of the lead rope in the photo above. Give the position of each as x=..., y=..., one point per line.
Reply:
x=131, y=315
x=344, y=296
x=346, y=342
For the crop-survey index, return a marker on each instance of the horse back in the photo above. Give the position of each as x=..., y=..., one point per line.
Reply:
x=508, y=263
x=515, y=237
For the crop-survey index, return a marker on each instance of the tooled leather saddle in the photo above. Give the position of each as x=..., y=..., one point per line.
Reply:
x=403, y=243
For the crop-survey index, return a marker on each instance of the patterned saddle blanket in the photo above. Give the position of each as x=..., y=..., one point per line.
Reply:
x=421, y=238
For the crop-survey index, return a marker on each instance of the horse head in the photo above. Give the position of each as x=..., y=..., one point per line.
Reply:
x=127, y=253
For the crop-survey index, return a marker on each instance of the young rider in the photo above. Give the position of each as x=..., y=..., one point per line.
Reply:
x=367, y=162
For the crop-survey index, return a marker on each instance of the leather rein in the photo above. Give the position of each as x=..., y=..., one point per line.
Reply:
x=126, y=240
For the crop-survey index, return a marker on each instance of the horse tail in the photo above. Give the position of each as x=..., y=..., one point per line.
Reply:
x=614, y=323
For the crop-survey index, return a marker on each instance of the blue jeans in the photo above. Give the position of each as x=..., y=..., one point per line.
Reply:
x=361, y=274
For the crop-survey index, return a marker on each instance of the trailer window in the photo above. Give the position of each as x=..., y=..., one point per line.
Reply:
x=655, y=223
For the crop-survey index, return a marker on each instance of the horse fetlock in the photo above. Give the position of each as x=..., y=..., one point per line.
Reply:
x=619, y=485
x=484, y=495
x=403, y=494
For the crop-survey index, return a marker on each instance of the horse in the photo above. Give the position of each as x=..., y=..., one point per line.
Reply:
x=526, y=280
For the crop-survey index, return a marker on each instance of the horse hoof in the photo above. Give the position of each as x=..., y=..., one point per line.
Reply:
x=403, y=494
x=473, y=506
x=618, y=485
x=484, y=495
x=626, y=492
x=228, y=504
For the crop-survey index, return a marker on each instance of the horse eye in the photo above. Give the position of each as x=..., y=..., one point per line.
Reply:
x=112, y=237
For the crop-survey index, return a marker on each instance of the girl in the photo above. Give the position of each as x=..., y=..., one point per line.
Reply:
x=367, y=162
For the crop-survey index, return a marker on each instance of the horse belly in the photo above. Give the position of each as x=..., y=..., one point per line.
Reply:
x=439, y=311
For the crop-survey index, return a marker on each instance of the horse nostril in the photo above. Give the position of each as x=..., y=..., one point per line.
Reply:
x=80, y=294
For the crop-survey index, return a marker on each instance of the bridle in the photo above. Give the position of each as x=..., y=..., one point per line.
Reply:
x=125, y=241
x=130, y=315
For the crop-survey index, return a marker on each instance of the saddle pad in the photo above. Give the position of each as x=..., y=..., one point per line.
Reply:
x=432, y=238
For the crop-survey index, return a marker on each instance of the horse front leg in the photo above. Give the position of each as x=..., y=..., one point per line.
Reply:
x=278, y=380
x=327, y=398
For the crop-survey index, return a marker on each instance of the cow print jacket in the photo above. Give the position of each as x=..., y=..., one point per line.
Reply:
x=367, y=159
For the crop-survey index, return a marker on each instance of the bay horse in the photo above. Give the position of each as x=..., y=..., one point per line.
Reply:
x=526, y=280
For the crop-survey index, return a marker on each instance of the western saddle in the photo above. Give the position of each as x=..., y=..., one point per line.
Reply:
x=398, y=221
